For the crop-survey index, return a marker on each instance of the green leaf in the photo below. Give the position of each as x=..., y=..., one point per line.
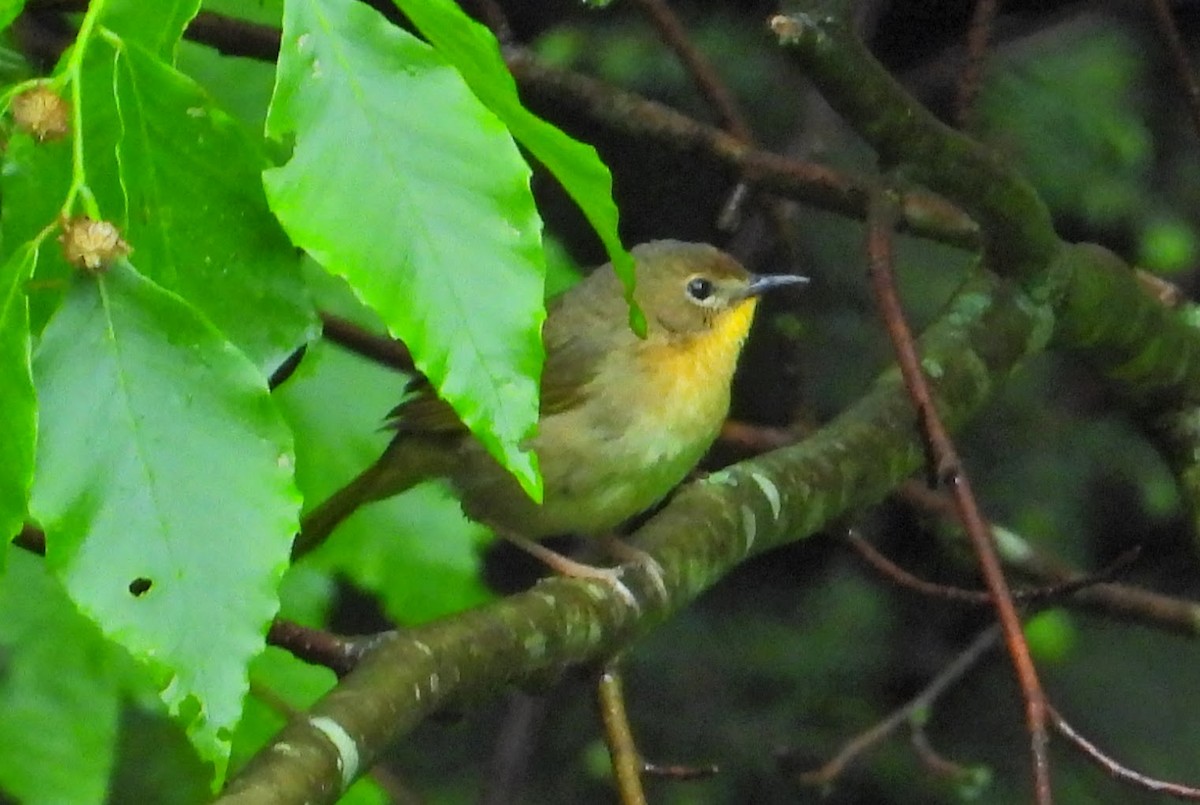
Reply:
x=157, y=26
x=59, y=692
x=188, y=178
x=17, y=404
x=416, y=551
x=1168, y=246
x=403, y=184
x=9, y=9
x=164, y=487
x=474, y=52
x=38, y=174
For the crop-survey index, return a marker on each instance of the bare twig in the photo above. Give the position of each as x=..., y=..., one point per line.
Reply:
x=756, y=438
x=513, y=748
x=679, y=772
x=932, y=759
x=950, y=471
x=1118, y=771
x=863, y=742
x=704, y=76
x=286, y=369
x=338, y=654
x=1183, y=64
x=383, y=350
x=492, y=15
x=1118, y=601
x=626, y=762
x=32, y=539
x=924, y=213
x=715, y=91
x=972, y=74
x=1062, y=590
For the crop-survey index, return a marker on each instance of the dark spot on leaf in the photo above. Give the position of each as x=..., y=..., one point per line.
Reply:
x=139, y=586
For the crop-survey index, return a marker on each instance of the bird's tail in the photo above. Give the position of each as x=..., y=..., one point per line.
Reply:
x=403, y=465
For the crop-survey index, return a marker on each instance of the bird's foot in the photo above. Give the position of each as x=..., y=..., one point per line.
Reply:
x=566, y=566
x=626, y=553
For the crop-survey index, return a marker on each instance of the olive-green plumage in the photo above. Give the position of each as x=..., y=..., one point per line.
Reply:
x=623, y=418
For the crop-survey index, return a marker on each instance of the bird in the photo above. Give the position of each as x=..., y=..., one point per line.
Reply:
x=623, y=417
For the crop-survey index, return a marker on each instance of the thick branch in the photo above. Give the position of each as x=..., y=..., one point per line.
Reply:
x=1019, y=236
x=708, y=528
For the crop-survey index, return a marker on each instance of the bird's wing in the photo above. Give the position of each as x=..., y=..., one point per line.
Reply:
x=574, y=355
x=422, y=411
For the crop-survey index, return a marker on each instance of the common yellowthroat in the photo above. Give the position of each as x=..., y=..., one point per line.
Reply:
x=623, y=419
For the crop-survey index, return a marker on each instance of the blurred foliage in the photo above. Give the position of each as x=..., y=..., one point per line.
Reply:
x=1087, y=159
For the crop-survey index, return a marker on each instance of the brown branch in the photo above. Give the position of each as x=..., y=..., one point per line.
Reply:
x=1018, y=233
x=513, y=748
x=752, y=438
x=383, y=350
x=949, y=470
x=1118, y=771
x=1062, y=590
x=704, y=76
x=626, y=761
x=716, y=93
x=492, y=15
x=972, y=75
x=1115, y=601
x=1109, y=599
x=286, y=369
x=231, y=36
x=678, y=772
x=967, y=659
x=935, y=761
x=32, y=539
x=924, y=213
x=1183, y=64
x=318, y=647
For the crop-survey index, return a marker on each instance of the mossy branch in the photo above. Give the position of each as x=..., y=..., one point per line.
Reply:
x=707, y=529
x=1018, y=234
x=1150, y=351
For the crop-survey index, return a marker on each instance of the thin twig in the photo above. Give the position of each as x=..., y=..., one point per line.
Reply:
x=1062, y=590
x=1112, y=600
x=715, y=92
x=679, y=772
x=635, y=116
x=1183, y=64
x=1118, y=771
x=513, y=748
x=701, y=70
x=493, y=16
x=287, y=368
x=949, y=470
x=383, y=350
x=32, y=539
x=972, y=74
x=935, y=761
x=756, y=438
x=338, y=654
x=626, y=762
x=984, y=642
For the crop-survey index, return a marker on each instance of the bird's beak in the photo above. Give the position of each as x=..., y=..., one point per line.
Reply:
x=761, y=283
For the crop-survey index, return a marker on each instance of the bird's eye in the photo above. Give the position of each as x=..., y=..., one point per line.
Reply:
x=699, y=288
